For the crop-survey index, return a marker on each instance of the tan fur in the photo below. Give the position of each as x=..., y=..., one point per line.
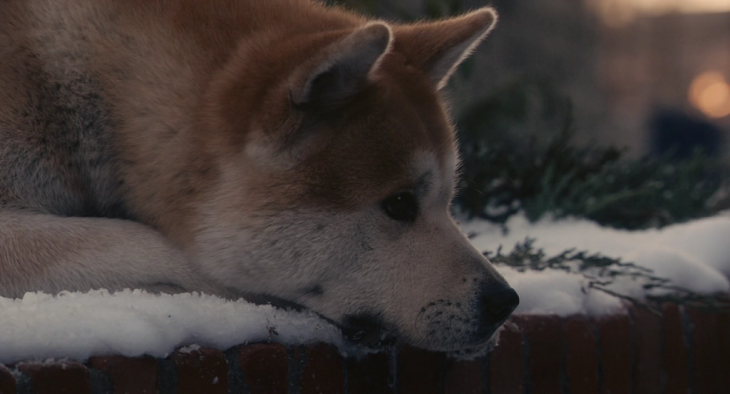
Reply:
x=237, y=148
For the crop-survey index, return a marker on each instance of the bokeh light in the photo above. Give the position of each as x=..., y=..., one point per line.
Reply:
x=619, y=13
x=710, y=93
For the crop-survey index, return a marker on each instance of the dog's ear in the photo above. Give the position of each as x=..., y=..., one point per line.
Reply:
x=439, y=47
x=345, y=69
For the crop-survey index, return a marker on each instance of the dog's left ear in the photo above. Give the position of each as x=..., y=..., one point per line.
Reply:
x=439, y=47
x=345, y=68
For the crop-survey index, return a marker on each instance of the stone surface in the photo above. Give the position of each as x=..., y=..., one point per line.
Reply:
x=463, y=377
x=201, y=371
x=324, y=371
x=7, y=381
x=648, y=331
x=507, y=363
x=419, y=371
x=544, y=340
x=674, y=357
x=614, y=334
x=723, y=344
x=581, y=361
x=705, y=351
x=370, y=374
x=265, y=368
x=129, y=375
x=65, y=377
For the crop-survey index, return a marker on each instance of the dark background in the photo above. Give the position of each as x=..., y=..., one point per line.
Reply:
x=614, y=110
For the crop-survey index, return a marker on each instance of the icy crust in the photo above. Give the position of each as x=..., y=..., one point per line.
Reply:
x=132, y=323
x=693, y=255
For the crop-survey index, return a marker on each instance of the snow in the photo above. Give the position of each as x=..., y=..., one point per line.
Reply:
x=557, y=293
x=133, y=323
x=693, y=255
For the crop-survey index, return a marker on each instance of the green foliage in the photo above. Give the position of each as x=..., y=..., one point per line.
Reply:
x=518, y=155
x=601, y=272
x=436, y=9
x=365, y=6
x=631, y=194
x=376, y=8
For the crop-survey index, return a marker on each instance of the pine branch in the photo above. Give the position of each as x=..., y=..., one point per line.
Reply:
x=601, y=272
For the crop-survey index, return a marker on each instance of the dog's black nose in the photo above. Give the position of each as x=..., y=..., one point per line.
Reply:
x=497, y=303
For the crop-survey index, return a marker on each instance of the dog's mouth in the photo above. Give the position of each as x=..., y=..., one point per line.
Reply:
x=478, y=350
x=365, y=329
x=276, y=302
x=481, y=348
x=491, y=338
x=369, y=330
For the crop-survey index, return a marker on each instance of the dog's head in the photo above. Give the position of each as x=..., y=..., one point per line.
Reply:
x=337, y=169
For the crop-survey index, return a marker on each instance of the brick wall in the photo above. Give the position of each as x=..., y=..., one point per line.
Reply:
x=681, y=350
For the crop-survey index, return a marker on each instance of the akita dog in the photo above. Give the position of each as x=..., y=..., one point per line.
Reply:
x=276, y=149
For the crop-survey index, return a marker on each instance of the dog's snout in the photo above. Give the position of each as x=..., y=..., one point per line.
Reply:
x=497, y=303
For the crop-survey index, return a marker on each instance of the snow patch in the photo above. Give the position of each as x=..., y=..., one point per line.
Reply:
x=553, y=292
x=693, y=255
x=132, y=323
x=189, y=349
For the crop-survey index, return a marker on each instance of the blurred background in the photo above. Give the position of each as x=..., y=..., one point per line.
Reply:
x=615, y=110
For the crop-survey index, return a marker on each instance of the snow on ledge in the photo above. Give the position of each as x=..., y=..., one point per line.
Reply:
x=133, y=323
x=693, y=255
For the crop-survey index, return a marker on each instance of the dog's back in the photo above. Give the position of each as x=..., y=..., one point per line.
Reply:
x=91, y=92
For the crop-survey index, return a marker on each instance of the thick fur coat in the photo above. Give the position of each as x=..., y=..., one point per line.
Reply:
x=278, y=150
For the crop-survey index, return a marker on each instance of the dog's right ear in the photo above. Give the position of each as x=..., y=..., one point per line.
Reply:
x=437, y=48
x=344, y=70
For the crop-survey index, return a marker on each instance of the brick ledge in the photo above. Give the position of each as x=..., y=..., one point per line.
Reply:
x=683, y=349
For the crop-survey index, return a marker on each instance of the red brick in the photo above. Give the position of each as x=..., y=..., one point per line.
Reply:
x=201, y=371
x=614, y=334
x=370, y=374
x=723, y=323
x=648, y=327
x=507, y=363
x=58, y=378
x=706, y=353
x=419, y=371
x=129, y=375
x=324, y=371
x=544, y=339
x=7, y=381
x=463, y=377
x=581, y=364
x=265, y=368
x=674, y=358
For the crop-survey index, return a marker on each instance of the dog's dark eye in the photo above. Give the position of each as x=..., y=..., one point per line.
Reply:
x=402, y=206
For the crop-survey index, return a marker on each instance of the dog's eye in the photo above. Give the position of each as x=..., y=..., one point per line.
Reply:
x=402, y=206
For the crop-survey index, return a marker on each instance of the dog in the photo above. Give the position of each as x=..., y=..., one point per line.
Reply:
x=279, y=150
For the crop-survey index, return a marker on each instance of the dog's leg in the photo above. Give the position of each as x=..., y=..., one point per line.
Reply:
x=48, y=253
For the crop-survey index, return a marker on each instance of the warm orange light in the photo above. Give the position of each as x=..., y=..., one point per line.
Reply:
x=618, y=13
x=710, y=93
